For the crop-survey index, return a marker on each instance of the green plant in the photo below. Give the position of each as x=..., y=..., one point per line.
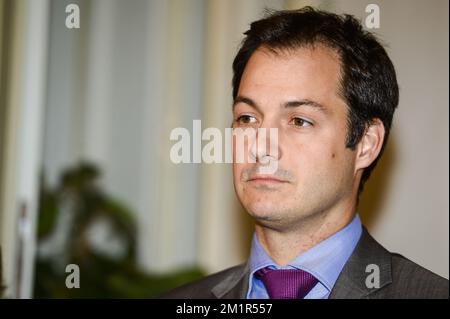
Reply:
x=69, y=216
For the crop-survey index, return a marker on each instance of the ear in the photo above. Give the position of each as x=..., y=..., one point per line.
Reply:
x=369, y=146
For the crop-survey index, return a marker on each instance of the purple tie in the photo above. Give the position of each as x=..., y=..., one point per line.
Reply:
x=286, y=283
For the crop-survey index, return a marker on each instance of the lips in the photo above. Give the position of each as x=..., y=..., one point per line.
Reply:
x=266, y=179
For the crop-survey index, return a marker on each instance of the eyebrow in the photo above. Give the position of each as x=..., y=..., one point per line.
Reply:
x=245, y=100
x=289, y=104
x=301, y=102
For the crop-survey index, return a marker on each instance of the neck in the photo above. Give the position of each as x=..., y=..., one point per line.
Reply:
x=284, y=245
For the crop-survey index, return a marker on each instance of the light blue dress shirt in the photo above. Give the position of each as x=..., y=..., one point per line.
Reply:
x=324, y=261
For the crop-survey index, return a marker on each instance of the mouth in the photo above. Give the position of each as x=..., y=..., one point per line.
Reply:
x=266, y=180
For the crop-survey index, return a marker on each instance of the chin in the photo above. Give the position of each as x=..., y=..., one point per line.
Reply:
x=275, y=216
x=264, y=211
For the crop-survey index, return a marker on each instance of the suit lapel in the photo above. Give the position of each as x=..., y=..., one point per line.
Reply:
x=234, y=286
x=351, y=283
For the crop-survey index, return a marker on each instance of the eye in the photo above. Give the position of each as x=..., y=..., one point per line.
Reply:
x=246, y=119
x=298, y=121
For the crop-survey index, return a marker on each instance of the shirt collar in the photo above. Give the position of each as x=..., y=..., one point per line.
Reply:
x=324, y=261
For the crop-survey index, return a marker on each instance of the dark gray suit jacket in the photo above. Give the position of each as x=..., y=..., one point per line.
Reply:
x=399, y=278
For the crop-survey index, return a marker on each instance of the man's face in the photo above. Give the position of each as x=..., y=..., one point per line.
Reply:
x=296, y=92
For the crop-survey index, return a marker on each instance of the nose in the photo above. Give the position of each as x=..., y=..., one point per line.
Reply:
x=265, y=147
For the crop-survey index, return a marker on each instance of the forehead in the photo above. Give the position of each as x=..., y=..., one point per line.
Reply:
x=307, y=72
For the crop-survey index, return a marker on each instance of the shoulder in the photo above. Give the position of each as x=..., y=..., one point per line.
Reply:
x=202, y=288
x=397, y=276
x=409, y=280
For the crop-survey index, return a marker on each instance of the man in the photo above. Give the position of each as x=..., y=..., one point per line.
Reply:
x=330, y=90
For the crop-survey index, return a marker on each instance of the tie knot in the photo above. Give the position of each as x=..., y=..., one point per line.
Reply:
x=286, y=283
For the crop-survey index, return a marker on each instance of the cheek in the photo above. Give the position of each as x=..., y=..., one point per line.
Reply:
x=316, y=158
x=334, y=156
x=342, y=161
x=237, y=172
x=241, y=145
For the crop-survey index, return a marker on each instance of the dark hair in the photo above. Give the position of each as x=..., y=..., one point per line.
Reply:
x=368, y=81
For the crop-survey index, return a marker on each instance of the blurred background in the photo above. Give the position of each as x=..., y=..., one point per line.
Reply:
x=85, y=119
